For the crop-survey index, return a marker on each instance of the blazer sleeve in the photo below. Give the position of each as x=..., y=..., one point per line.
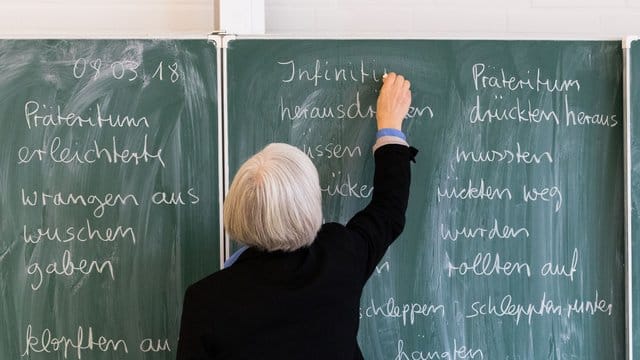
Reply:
x=192, y=343
x=381, y=222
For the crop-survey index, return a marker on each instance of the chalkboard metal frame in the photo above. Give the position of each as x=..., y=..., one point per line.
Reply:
x=218, y=40
x=626, y=56
x=489, y=37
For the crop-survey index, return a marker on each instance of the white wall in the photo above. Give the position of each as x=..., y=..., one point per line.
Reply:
x=511, y=18
x=86, y=18
x=464, y=18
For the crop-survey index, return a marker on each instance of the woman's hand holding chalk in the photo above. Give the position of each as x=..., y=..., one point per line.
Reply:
x=393, y=102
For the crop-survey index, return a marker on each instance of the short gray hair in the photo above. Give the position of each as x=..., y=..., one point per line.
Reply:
x=274, y=202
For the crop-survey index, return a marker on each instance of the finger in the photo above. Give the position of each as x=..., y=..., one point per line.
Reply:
x=407, y=84
x=390, y=78
x=406, y=96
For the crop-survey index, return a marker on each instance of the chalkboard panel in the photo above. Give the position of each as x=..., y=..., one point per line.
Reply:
x=513, y=247
x=108, y=194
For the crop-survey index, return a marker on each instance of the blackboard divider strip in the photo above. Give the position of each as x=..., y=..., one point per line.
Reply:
x=225, y=134
x=443, y=36
x=626, y=55
x=217, y=40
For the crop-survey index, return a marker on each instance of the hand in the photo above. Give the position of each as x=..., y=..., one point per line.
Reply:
x=393, y=102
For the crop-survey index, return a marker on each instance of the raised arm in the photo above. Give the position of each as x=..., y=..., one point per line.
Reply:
x=382, y=221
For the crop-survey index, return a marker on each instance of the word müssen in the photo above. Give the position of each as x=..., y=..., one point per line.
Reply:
x=331, y=151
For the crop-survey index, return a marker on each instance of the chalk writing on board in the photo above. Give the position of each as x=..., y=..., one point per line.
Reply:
x=190, y=197
x=67, y=346
x=124, y=69
x=67, y=266
x=172, y=71
x=493, y=77
x=576, y=118
x=526, y=112
x=112, y=153
x=507, y=307
x=490, y=264
x=481, y=191
x=332, y=151
x=353, y=110
x=382, y=267
x=553, y=269
x=487, y=264
x=517, y=311
x=591, y=306
x=154, y=345
x=408, y=313
x=484, y=191
x=494, y=232
x=85, y=341
x=346, y=187
x=551, y=194
x=40, y=115
x=86, y=232
x=507, y=156
x=322, y=70
x=99, y=203
x=457, y=351
x=522, y=111
x=117, y=69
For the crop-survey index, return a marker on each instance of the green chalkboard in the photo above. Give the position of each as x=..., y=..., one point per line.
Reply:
x=108, y=194
x=514, y=245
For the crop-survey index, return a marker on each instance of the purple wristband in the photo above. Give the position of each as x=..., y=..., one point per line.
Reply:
x=390, y=132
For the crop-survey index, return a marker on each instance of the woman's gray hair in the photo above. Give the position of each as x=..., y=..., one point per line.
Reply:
x=274, y=202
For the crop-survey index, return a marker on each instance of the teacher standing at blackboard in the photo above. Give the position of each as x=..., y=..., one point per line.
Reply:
x=294, y=292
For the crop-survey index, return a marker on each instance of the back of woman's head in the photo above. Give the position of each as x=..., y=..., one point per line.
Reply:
x=274, y=202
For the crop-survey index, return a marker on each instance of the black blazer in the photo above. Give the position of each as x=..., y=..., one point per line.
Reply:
x=302, y=304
